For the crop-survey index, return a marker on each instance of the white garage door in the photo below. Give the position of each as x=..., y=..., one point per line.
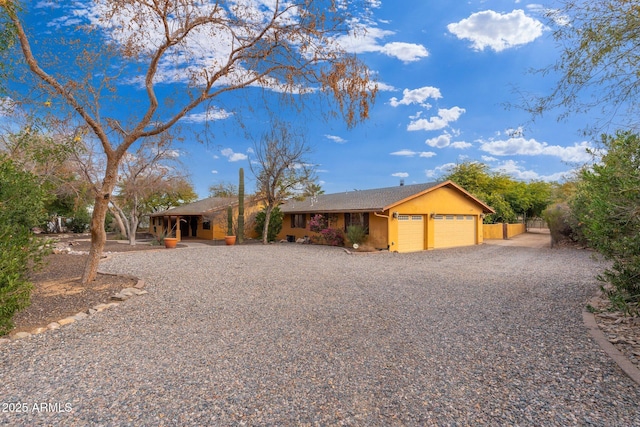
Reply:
x=410, y=233
x=454, y=230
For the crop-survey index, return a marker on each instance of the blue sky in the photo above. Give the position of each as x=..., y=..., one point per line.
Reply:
x=445, y=70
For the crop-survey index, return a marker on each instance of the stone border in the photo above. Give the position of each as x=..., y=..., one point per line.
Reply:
x=122, y=295
x=598, y=336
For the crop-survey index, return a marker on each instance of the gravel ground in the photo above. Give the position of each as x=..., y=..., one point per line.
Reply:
x=309, y=335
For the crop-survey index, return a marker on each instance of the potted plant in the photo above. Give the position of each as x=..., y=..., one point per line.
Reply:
x=230, y=239
x=169, y=242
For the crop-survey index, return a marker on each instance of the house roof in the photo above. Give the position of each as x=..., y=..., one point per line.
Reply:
x=201, y=207
x=374, y=200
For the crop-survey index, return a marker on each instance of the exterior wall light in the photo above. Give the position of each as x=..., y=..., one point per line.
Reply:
x=395, y=215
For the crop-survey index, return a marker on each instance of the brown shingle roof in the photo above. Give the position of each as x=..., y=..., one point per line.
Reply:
x=374, y=200
x=200, y=207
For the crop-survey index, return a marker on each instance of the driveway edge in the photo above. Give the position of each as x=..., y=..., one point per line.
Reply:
x=598, y=336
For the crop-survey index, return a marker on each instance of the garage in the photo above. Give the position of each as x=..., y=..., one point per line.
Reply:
x=410, y=233
x=454, y=230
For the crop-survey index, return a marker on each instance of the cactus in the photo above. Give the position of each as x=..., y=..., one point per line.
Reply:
x=241, y=206
x=229, y=221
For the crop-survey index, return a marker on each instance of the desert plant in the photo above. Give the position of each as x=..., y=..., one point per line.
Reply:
x=356, y=234
x=240, y=205
x=229, y=221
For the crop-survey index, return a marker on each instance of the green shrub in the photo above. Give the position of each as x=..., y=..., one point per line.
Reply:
x=356, y=234
x=606, y=207
x=22, y=200
x=559, y=219
x=80, y=222
x=275, y=223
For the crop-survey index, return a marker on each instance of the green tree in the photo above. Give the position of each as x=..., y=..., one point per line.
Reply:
x=22, y=206
x=287, y=48
x=607, y=205
x=598, y=64
x=508, y=197
x=275, y=222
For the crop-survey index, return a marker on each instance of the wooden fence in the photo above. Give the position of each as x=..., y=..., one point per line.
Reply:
x=502, y=231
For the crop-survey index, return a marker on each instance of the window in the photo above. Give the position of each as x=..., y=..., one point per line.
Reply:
x=298, y=220
x=361, y=219
x=206, y=225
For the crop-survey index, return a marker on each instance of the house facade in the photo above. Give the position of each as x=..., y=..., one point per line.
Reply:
x=204, y=219
x=405, y=218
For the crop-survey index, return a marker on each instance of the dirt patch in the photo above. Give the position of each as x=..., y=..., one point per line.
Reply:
x=58, y=291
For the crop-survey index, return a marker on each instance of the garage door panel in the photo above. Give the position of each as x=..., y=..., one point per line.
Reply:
x=454, y=230
x=410, y=233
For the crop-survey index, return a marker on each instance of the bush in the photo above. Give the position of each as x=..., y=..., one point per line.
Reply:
x=275, y=223
x=80, y=221
x=356, y=234
x=22, y=200
x=559, y=219
x=333, y=236
x=317, y=223
x=606, y=206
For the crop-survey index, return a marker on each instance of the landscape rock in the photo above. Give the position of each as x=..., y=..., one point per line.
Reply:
x=20, y=335
x=81, y=316
x=66, y=321
x=53, y=325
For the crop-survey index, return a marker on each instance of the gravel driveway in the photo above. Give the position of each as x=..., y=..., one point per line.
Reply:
x=309, y=335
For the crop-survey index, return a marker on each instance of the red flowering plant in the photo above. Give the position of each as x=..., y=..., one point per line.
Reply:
x=317, y=223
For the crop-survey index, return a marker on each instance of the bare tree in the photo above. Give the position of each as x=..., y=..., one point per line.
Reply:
x=146, y=175
x=287, y=47
x=281, y=168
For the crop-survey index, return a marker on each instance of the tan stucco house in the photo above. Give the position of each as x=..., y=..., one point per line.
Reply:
x=204, y=219
x=404, y=218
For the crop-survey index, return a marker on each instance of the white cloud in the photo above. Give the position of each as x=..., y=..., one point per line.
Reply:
x=400, y=174
x=410, y=153
x=233, y=157
x=367, y=39
x=427, y=154
x=497, y=31
x=442, y=120
x=513, y=168
x=488, y=159
x=405, y=52
x=576, y=153
x=461, y=145
x=439, y=141
x=439, y=170
x=416, y=96
x=214, y=171
x=209, y=115
x=336, y=139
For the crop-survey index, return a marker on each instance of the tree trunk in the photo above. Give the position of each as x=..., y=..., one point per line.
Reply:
x=100, y=208
x=119, y=222
x=133, y=227
x=265, y=230
x=98, y=238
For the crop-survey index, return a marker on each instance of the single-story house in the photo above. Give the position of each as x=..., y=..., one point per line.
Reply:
x=405, y=218
x=204, y=219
